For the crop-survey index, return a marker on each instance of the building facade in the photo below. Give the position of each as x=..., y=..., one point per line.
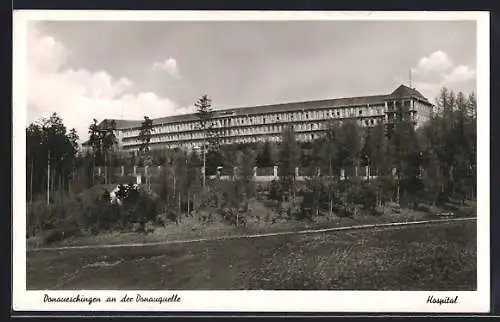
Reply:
x=266, y=123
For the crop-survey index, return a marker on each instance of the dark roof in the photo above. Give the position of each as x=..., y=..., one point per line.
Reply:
x=298, y=106
x=405, y=91
x=121, y=124
x=295, y=106
x=401, y=92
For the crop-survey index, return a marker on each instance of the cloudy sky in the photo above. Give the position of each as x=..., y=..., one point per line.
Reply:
x=84, y=70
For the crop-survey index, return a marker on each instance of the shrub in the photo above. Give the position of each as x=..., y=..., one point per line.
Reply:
x=275, y=191
x=233, y=216
x=100, y=216
x=37, y=217
x=62, y=213
x=365, y=196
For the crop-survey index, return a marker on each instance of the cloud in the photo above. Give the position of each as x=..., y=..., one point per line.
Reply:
x=437, y=62
x=169, y=65
x=438, y=70
x=460, y=74
x=80, y=95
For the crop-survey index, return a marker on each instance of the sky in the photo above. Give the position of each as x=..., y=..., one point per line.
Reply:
x=130, y=69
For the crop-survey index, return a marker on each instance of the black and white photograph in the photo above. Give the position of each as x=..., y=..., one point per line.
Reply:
x=157, y=155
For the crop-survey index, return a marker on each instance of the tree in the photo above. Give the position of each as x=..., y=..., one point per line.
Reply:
x=472, y=105
x=102, y=139
x=73, y=140
x=329, y=150
x=264, y=158
x=193, y=180
x=145, y=135
x=51, y=152
x=205, y=124
x=313, y=197
x=245, y=161
x=180, y=179
x=349, y=147
x=450, y=148
x=406, y=158
x=33, y=153
x=289, y=160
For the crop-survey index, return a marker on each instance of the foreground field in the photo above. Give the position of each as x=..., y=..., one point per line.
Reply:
x=427, y=257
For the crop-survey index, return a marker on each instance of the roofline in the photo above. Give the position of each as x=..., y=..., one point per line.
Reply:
x=186, y=117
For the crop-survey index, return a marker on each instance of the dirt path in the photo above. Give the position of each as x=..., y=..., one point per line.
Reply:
x=311, y=231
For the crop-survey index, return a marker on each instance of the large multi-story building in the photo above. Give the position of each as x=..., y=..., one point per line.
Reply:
x=265, y=123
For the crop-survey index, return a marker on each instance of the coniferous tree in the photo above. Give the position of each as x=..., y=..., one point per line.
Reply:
x=145, y=135
x=206, y=124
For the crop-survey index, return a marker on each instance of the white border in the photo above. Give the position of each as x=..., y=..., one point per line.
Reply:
x=256, y=301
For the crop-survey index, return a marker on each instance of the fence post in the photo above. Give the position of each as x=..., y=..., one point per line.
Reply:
x=123, y=170
x=296, y=171
x=254, y=174
x=99, y=171
x=135, y=170
x=342, y=174
x=275, y=171
x=367, y=172
x=219, y=168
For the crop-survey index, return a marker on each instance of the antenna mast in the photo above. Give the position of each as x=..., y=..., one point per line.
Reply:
x=410, y=79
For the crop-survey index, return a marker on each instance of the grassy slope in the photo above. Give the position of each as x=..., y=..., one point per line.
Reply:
x=430, y=257
x=191, y=228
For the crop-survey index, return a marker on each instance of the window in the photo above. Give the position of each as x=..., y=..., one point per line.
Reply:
x=360, y=112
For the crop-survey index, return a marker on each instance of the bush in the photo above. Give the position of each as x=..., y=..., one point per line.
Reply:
x=59, y=234
x=275, y=191
x=95, y=214
x=233, y=216
x=100, y=216
x=365, y=196
x=41, y=217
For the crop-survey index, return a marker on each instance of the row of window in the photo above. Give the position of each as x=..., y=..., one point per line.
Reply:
x=274, y=130
x=248, y=139
x=268, y=119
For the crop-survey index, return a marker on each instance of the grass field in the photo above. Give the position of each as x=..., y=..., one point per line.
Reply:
x=425, y=257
